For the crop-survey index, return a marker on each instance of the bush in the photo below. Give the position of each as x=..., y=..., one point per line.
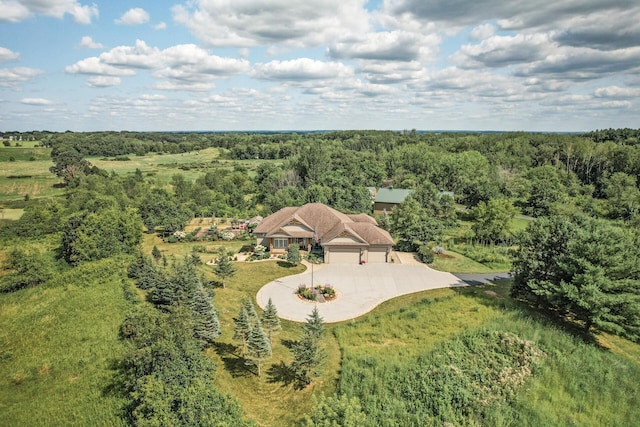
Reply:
x=425, y=254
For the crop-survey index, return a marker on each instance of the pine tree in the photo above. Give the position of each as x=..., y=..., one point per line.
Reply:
x=314, y=324
x=307, y=352
x=224, y=268
x=270, y=319
x=258, y=346
x=242, y=328
x=307, y=357
x=251, y=311
x=206, y=326
x=155, y=253
x=164, y=293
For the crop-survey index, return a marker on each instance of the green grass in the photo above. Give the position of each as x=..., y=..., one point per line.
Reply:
x=456, y=263
x=578, y=383
x=24, y=153
x=57, y=346
x=12, y=214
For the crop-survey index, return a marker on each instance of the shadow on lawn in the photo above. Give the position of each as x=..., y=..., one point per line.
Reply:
x=281, y=373
x=233, y=361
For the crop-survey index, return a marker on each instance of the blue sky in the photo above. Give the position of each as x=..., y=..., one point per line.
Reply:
x=536, y=65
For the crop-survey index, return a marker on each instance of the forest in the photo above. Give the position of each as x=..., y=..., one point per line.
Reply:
x=101, y=229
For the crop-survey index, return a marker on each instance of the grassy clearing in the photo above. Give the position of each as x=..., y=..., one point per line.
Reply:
x=24, y=153
x=270, y=400
x=58, y=343
x=12, y=214
x=578, y=383
x=458, y=263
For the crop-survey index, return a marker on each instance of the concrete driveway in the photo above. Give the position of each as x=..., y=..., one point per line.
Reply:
x=360, y=288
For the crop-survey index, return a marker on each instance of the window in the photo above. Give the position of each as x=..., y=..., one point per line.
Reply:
x=280, y=243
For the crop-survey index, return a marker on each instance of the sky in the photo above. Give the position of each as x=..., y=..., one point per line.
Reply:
x=223, y=65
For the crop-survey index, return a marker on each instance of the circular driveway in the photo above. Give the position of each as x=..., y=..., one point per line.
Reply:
x=360, y=288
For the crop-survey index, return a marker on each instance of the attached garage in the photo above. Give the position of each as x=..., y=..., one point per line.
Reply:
x=339, y=255
x=377, y=255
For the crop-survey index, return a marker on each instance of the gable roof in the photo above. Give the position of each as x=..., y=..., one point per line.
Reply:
x=392, y=195
x=327, y=223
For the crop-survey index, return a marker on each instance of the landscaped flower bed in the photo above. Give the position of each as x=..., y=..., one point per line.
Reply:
x=318, y=293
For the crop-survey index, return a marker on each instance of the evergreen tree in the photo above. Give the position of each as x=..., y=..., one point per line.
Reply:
x=163, y=295
x=224, y=268
x=258, y=346
x=144, y=271
x=307, y=352
x=307, y=357
x=583, y=269
x=206, y=326
x=270, y=319
x=314, y=324
x=242, y=328
x=156, y=254
x=293, y=254
x=251, y=311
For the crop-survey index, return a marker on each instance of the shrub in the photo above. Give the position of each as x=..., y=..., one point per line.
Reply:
x=425, y=254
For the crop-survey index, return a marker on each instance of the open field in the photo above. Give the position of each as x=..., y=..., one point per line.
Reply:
x=24, y=177
x=163, y=166
x=57, y=347
x=578, y=383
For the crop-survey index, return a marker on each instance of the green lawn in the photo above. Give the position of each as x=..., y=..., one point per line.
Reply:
x=456, y=263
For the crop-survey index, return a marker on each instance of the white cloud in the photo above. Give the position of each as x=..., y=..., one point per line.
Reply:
x=88, y=43
x=617, y=92
x=135, y=16
x=36, y=101
x=296, y=24
x=186, y=67
x=481, y=32
x=387, y=45
x=8, y=55
x=300, y=69
x=10, y=77
x=103, y=81
x=16, y=11
x=93, y=65
x=160, y=26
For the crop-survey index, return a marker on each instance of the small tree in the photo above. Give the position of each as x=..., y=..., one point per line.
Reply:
x=307, y=352
x=251, y=311
x=156, y=254
x=314, y=324
x=242, y=328
x=293, y=255
x=258, y=346
x=307, y=357
x=224, y=268
x=270, y=319
x=206, y=326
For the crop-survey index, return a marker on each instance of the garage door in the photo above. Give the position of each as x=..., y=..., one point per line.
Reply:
x=378, y=255
x=344, y=256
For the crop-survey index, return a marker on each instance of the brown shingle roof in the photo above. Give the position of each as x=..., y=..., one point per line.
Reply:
x=327, y=222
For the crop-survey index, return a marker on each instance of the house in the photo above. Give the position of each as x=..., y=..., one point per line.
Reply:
x=387, y=198
x=344, y=239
